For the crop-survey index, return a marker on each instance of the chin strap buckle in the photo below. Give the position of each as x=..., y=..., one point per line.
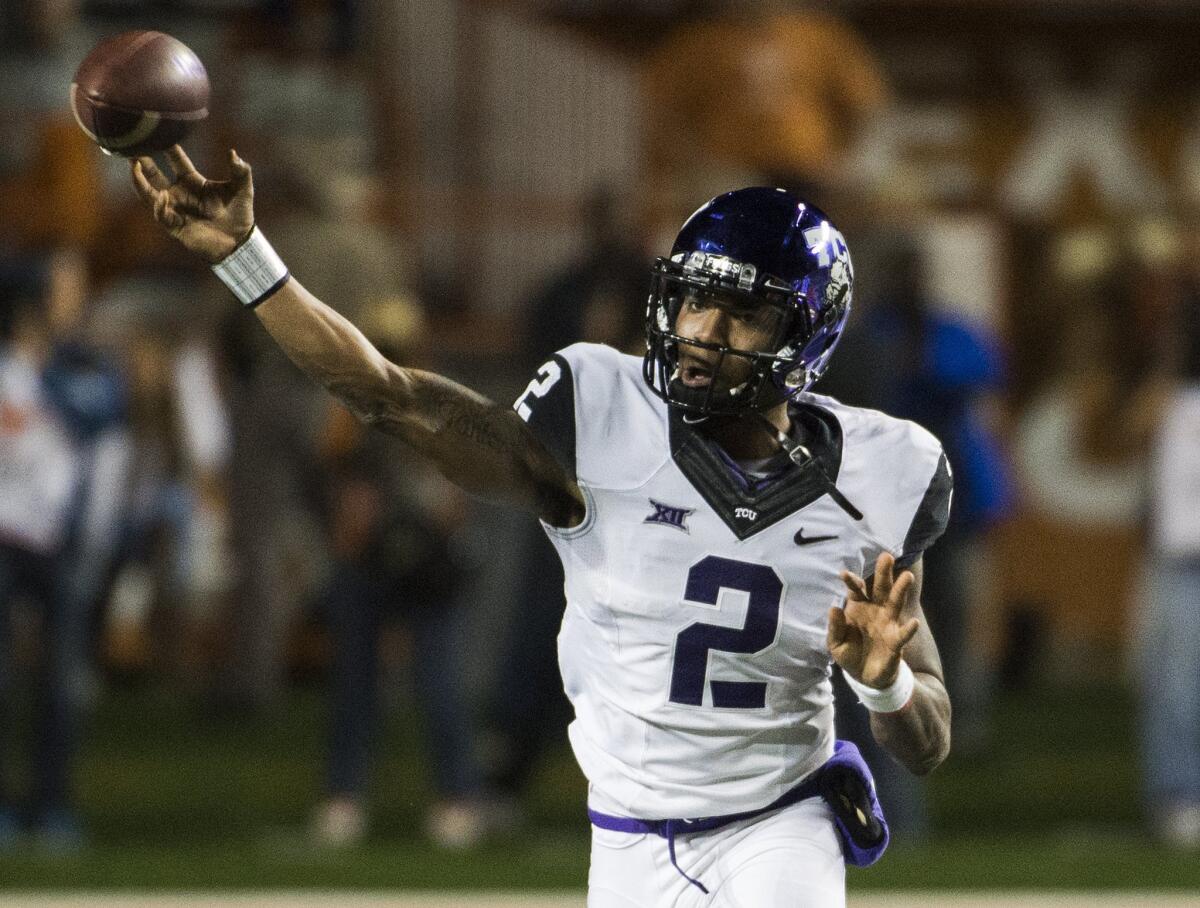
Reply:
x=800, y=456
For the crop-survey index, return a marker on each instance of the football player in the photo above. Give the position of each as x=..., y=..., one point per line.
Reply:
x=726, y=535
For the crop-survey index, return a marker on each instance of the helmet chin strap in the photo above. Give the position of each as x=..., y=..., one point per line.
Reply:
x=700, y=398
x=704, y=417
x=800, y=455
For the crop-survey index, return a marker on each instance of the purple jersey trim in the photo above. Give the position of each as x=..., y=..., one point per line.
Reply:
x=860, y=847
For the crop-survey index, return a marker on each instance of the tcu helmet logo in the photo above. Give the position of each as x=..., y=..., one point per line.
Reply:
x=829, y=246
x=669, y=515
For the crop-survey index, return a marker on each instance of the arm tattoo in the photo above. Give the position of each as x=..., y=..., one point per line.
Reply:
x=476, y=443
x=481, y=446
x=426, y=408
x=483, y=423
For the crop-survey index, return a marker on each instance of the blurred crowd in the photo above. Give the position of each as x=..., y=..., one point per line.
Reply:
x=178, y=505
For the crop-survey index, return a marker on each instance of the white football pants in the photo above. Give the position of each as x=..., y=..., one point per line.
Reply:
x=789, y=858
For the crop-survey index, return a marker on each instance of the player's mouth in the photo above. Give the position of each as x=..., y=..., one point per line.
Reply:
x=694, y=374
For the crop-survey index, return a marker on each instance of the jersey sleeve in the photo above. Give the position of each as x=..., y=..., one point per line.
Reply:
x=932, y=513
x=548, y=405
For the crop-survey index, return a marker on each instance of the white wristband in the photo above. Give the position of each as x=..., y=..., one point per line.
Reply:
x=889, y=699
x=253, y=271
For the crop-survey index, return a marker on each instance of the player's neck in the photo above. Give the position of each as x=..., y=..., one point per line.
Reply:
x=748, y=437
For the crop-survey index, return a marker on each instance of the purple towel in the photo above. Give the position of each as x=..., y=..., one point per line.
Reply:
x=844, y=782
x=849, y=788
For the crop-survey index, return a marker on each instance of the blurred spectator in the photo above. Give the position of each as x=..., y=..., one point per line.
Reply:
x=766, y=90
x=936, y=369
x=50, y=177
x=597, y=298
x=392, y=522
x=271, y=525
x=276, y=414
x=1079, y=449
x=948, y=375
x=61, y=450
x=1169, y=639
x=1075, y=463
x=172, y=563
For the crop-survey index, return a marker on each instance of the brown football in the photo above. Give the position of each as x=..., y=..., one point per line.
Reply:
x=139, y=92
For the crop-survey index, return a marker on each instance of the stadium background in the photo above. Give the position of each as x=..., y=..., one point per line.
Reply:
x=429, y=166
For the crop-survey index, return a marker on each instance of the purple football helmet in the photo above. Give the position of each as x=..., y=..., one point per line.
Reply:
x=774, y=249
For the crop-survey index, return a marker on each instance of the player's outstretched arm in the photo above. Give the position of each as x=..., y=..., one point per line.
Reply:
x=482, y=446
x=881, y=630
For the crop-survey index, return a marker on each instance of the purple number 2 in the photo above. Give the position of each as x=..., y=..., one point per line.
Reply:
x=705, y=581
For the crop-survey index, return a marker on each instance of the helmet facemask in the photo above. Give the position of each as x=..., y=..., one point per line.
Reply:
x=766, y=382
x=781, y=255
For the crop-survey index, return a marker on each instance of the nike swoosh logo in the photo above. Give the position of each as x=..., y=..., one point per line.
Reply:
x=801, y=539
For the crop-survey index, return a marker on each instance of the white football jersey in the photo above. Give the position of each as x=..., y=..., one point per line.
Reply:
x=693, y=643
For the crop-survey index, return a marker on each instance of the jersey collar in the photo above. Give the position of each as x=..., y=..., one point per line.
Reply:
x=748, y=506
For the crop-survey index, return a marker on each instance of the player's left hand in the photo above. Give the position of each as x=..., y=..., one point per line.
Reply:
x=867, y=637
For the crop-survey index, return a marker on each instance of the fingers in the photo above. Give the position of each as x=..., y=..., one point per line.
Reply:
x=884, y=576
x=180, y=162
x=159, y=200
x=145, y=191
x=887, y=589
x=856, y=586
x=907, y=632
x=836, y=634
x=161, y=203
x=900, y=590
x=240, y=170
x=165, y=213
x=154, y=176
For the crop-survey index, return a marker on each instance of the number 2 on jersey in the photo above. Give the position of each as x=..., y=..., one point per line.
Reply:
x=705, y=581
x=548, y=377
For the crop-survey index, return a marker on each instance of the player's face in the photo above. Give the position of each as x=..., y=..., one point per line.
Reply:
x=726, y=320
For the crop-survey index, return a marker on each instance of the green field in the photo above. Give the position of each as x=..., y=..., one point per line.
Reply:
x=176, y=798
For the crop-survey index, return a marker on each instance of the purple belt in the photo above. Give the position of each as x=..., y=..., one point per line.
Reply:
x=844, y=781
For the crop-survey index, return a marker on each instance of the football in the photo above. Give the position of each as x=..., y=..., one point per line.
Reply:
x=139, y=92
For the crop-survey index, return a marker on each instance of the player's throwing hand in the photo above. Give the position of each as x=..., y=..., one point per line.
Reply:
x=209, y=217
x=867, y=637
